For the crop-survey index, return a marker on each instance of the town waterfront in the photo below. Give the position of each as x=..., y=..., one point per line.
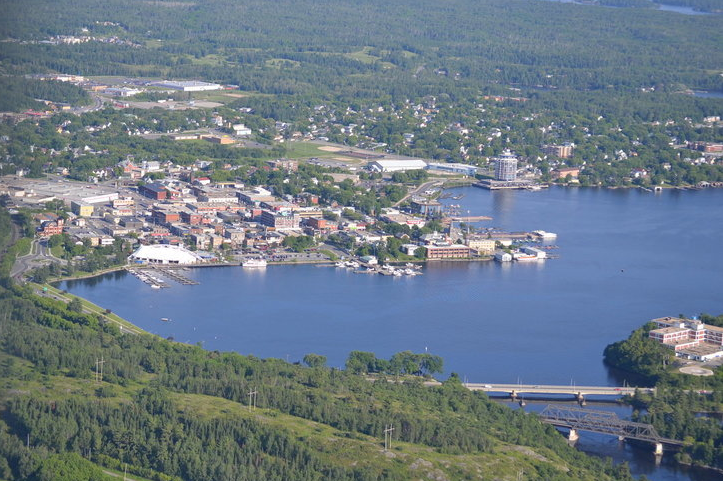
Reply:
x=626, y=256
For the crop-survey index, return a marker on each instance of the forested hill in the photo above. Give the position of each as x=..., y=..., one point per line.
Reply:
x=370, y=47
x=168, y=411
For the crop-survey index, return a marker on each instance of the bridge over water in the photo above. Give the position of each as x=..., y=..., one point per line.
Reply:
x=577, y=419
x=579, y=392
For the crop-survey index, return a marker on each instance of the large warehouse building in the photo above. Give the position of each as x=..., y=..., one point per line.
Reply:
x=186, y=85
x=164, y=254
x=397, y=165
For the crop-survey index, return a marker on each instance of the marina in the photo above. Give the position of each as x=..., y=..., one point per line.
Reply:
x=148, y=278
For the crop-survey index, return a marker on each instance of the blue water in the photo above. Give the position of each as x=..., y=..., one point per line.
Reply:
x=626, y=256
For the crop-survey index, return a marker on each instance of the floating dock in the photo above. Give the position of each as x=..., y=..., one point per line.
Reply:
x=175, y=274
x=148, y=278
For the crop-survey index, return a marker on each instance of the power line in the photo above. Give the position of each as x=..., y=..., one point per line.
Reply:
x=388, y=430
x=252, y=396
x=99, y=369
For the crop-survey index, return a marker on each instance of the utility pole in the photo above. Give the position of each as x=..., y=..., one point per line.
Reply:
x=252, y=395
x=388, y=429
x=99, y=369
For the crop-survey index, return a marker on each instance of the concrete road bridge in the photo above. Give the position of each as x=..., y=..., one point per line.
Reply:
x=579, y=392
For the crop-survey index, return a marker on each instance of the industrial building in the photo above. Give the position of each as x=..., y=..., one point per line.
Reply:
x=454, y=168
x=186, y=85
x=397, y=165
x=164, y=254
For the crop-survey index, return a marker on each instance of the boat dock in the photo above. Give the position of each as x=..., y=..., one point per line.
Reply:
x=175, y=275
x=148, y=278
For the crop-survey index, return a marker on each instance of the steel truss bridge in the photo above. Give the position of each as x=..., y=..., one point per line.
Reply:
x=605, y=422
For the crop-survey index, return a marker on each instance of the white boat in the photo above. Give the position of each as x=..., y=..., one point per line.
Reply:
x=254, y=263
x=545, y=235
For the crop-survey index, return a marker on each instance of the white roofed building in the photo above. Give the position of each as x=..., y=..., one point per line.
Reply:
x=397, y=165
x=164, y=254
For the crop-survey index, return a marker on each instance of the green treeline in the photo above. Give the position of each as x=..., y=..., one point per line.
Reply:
x=21, y=93
x=679, y=397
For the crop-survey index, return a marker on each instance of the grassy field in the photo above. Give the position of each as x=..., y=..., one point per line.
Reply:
x=364, y=56
x=305, y=150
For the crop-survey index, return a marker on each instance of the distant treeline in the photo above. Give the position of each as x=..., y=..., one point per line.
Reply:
x=19, y=93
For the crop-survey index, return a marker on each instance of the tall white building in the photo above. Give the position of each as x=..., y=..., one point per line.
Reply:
x=506, y=166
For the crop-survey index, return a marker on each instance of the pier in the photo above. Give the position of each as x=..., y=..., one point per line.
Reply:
x=467, y=218
x=148, y=278
x=175, y=275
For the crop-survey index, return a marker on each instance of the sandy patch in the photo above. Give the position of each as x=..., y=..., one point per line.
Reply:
x=238, y=96
x=329, y=148
x=696, y=371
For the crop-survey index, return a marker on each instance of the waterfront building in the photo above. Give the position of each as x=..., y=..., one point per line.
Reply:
x=689, y=338
x=506, y=167
x=502, y=256
x=453, y=251
x=429, y=208
x=164, y=254
x=482, y=246
x=454, y=168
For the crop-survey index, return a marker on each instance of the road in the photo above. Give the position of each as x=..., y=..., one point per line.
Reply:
x=432, y=184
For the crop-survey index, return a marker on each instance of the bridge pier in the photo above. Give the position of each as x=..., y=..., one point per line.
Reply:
x=658, y=449
x=573, y=436
x=513, y=395
x=580, y=399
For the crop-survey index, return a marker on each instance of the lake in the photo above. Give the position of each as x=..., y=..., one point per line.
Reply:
x=625, y=256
